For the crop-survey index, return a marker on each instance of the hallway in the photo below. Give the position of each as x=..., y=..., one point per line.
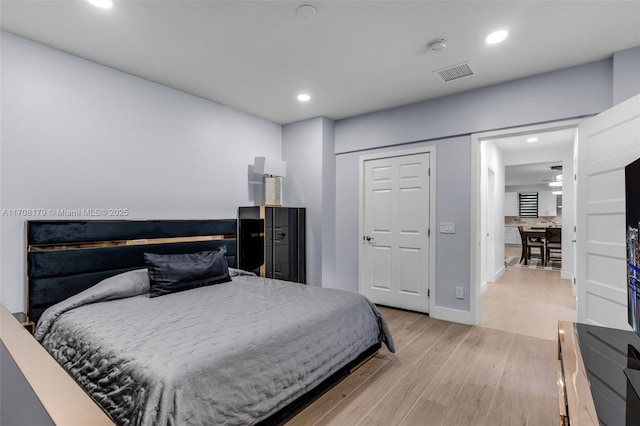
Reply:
x=528, y=301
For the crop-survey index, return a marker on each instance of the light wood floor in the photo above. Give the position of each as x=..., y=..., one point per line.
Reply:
x=500, y=373
x=528, y=301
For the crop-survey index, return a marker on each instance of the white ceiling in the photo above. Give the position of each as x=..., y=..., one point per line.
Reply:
x=534, y=173
x=531, y=174
x=353, y=57
x=552, y=140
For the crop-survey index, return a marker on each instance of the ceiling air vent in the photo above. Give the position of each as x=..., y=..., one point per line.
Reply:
x=454, y=72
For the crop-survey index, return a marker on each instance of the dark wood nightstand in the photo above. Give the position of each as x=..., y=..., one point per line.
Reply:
x=30, y=326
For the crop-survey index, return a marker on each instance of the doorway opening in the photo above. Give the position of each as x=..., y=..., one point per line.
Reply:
x=497, y=211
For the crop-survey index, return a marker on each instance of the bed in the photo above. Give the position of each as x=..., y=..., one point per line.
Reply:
x=246, y=351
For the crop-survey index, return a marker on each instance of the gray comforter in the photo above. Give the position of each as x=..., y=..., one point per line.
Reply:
x=231, y=353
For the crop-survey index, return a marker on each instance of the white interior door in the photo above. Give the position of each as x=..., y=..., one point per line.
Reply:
x=606, y=143
x=396, y=217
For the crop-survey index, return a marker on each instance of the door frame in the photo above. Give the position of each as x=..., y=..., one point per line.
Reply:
x=431, y=150
x=490, y=228
x=476, y=202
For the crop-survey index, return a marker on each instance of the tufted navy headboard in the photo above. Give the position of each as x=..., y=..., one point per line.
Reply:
x=66, y=257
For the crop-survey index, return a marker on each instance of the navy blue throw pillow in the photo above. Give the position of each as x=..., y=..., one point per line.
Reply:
x=170, y=273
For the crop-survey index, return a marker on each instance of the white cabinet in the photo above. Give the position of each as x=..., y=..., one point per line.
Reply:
x=512, y=235
x=547, y=205
x=511, y=204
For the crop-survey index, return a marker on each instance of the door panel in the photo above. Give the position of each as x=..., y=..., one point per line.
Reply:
x=381, y=203
x=396, y=231
x=382, y=267
x=410, y=210
x=382, y=174
x=410, y=270
x=410, y=171
x=606, y=143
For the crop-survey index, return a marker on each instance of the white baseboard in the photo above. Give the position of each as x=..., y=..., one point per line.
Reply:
x=500, y=272
x=485, y=285
x=453, y=315
x=567, y=275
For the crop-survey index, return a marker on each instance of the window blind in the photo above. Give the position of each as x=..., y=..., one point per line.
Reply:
x=528, y=204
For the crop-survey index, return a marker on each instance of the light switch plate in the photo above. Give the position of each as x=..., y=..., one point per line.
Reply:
x=447, y=228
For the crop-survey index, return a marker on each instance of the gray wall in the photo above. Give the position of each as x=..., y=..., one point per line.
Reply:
x=307, y=147
x=79, y=135
x=453, y=199
x=302, y=148
x=328, y=201
x=572, y=92
x=626, y=74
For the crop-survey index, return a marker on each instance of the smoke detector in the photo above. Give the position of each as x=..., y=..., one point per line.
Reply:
x=437, y=45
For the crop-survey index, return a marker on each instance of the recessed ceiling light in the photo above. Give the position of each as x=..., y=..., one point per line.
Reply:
x=303, y=97
x=532, y=140
x=496, y=37
x=556, y=192
x=306, y=11
x=104, y=4
x=558, y=177
x=555, y=183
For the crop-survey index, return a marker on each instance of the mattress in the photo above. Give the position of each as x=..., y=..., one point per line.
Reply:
x=231, y=353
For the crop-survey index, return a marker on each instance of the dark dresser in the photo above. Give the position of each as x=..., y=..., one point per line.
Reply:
x=271, y=242
x=592, y=385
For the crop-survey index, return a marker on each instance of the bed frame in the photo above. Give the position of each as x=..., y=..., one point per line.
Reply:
x=65, y=257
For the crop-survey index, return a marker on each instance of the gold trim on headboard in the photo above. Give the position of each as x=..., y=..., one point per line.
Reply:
x=116, y=243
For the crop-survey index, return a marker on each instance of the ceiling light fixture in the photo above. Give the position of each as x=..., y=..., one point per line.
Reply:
x=103, y=4
x=303, y=97
x=532, y=140
x=496, y=37
x=306, y=11
x=557, y=192
x=557, y=182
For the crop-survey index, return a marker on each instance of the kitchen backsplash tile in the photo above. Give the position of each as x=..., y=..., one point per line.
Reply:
x=531, y=221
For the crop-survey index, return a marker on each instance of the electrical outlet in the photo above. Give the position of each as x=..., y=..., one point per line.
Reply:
x=459, y=293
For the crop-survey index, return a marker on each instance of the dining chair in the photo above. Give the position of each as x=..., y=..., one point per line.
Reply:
x=528, y=244
x=553, y=243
